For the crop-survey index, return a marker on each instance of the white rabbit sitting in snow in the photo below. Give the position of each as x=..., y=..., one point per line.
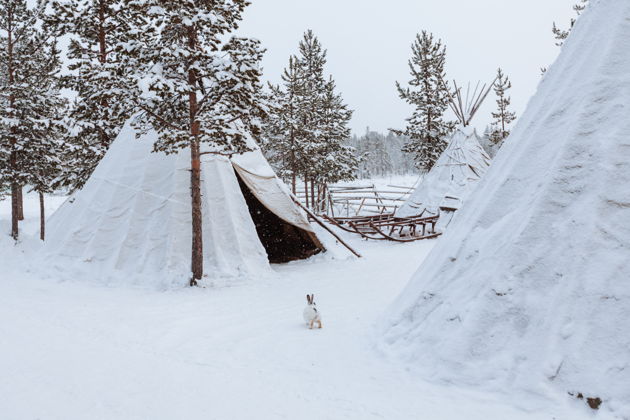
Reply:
x=311, y=315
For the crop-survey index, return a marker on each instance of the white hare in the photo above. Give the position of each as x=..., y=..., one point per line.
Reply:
x=311, y=315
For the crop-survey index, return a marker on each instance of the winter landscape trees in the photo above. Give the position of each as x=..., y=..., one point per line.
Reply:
x=196, y=88
x=516, y=311
x=179, y=71
x=381, y=155
x=427, y=128
x=97, y=28
x=307, y=128
x=503, y=117
x=31, y=105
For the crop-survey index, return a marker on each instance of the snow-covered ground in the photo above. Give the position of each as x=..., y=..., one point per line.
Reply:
x=79, y=350
x=382, y=183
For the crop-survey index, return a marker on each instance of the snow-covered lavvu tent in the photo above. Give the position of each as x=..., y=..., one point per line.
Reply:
x=453, y=177
x=529, y=289
x=133, y=216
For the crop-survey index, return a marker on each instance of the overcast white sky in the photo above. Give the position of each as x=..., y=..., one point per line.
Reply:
x=368, y=43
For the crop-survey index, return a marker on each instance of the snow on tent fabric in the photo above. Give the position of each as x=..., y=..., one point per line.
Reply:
x=133, y=215
x=452, y=178
x=530, y=287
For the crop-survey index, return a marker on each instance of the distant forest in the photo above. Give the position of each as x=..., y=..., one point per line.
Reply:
x=381, y=154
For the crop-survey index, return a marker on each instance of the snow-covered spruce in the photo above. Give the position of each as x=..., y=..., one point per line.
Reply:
x=31, y=107
x=381, y=155
x=96, y=28
x=503, y=117
x=193, y=85
x=307, y=128
x=427, y=93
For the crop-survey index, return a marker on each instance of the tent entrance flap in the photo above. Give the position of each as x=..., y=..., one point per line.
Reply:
x=283, y=241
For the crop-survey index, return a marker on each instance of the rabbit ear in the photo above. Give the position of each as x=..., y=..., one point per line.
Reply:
x=309, y=299
x=312, y=298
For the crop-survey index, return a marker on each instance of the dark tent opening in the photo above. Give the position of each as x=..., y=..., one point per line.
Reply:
x=282, y=241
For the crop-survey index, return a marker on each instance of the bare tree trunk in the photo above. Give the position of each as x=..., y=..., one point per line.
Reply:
x=15, y=230
x=313, y=198
x=15, y=206
x=20, y=203
x=306, y=191
x=102, y=58
x=195, y=190
x=195, y=172
x=293, y=165
x=42, y=218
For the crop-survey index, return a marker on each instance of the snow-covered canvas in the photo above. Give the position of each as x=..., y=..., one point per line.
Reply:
x=131, y=222
x=453, y=177
x=529, y=288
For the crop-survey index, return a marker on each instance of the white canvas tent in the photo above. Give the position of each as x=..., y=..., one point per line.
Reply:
x=133, y=215
x=452, y=178
x=529, y=291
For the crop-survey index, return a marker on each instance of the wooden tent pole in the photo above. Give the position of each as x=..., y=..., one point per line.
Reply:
x=322, y=224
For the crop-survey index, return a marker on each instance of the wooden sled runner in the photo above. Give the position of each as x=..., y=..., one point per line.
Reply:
x=389, y=227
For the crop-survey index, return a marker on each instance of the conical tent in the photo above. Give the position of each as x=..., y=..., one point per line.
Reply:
x=452, y=178
x=530, y=287
x=133, y=216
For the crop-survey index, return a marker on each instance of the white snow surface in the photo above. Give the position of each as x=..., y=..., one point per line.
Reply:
x=79, y=349
x=529, y=289
x=453, y=177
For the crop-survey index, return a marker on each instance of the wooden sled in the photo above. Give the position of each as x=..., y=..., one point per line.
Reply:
x=389, y=227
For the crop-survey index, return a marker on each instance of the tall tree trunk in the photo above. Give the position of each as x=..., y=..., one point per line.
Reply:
x=313, y=198
x=195, y=190
x=306, y=191
x=102, y=58
x=15, y=231
x=195, y=171
x=42, y=218
x=293, y=168
x=15, y=208
x=20, y=199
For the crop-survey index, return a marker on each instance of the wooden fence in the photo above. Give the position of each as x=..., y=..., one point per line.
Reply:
x=348, y=201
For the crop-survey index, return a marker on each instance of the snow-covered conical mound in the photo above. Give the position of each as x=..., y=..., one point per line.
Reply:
x=530, y=286
x=131, y=222
x=453, y=177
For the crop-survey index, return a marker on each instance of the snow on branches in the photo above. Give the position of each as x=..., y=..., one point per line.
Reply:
x=426, y=128
x=307, y=128
x=31, y=111
x=193, y=85
x=502, y=117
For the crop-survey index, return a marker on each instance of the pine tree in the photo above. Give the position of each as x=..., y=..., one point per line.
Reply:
x=307, y=129
x=100, y=109
x=375, y=157
x=426, y=128
x=562, y=34
x=502, y=117
x=45, y=145
x=194, y=86
x=24, y=113
x=283, y=130
x=335, y=161
x=311, y=61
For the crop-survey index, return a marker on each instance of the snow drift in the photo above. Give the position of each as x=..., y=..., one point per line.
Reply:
x=530, y=286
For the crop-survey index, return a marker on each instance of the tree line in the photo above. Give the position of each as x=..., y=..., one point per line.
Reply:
x=177, y=68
